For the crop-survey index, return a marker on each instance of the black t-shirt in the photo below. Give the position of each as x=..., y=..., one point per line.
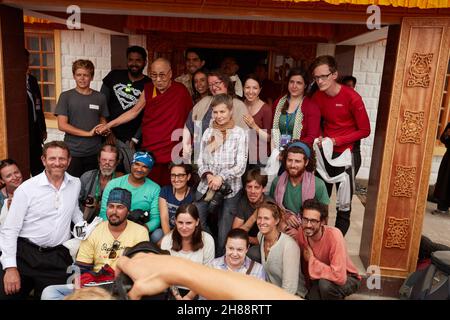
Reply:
x=122, y=94
x=245, y=209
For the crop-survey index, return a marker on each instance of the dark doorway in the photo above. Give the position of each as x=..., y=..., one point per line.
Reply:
x=246, y=59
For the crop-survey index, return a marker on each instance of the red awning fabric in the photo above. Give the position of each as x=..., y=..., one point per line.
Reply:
x=230, y=27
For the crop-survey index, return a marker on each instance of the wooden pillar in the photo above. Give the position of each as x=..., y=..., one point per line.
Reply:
x=13, y=103
x=412, y=85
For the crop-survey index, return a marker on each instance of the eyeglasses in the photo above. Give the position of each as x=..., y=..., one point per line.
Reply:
x=215, y=84
x=115, y=247
x=178, y=176
x=162, y=76
x=322, y=77
x=314, y=222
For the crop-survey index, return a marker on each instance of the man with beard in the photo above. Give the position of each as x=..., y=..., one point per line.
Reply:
x=194, y=61
x=94, y=182
x=166, y=105
x=249, y=199
x=122, y=89
x=145, y=192
x=297, y=184
x=106, y=243
x=37, y=225
x=328, y=270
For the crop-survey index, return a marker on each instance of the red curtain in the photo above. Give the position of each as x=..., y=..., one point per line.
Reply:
x=230, y=27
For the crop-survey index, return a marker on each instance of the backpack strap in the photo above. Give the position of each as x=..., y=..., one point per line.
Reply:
x=252, y=263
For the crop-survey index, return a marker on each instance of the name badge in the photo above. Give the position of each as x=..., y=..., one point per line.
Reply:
x=285, y=139
x=94, y=106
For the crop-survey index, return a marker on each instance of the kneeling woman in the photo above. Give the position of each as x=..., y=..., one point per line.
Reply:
x=187, y=240
x=222, y=161
x=280, y=254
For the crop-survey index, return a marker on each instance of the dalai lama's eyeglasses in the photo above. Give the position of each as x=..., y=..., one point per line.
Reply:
x=161, y=75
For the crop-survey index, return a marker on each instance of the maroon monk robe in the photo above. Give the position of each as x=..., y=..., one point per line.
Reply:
x=163, y=114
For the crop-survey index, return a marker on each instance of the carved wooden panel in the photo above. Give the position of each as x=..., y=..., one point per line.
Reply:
x=412, y=127
x=397, y=233
x=419, y=70
x=404, y=181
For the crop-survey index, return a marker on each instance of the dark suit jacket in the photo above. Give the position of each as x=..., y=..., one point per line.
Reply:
x=39, y=126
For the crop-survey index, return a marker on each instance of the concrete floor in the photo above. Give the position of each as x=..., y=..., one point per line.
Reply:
x=436, y=227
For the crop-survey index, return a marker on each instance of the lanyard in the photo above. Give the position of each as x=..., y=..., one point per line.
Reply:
x=288, y=119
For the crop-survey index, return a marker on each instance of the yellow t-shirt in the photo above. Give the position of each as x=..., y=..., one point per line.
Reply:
x=97, y=247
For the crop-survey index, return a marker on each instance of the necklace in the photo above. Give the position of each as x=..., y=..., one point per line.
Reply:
x=185, y=193
x=269, y=244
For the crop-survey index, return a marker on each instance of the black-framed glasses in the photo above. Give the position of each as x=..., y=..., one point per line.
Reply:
x=115, y=247
x=322, y=77
x=215, y=84
x=178, y=176
x=314, y=222
x=161, y=75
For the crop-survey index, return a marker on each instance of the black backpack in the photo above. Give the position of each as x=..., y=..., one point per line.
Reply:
x=431, y=283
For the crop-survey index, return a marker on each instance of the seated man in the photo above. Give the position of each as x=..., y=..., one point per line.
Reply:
x=106, y=243
x=297, y=184
x=93, y=182
x=248, y=201
x=329, y=272
x=145, y=192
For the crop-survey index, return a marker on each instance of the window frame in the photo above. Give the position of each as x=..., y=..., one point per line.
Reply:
x=50, y=118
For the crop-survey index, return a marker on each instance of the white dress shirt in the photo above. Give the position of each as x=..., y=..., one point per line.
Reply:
x=40, y=213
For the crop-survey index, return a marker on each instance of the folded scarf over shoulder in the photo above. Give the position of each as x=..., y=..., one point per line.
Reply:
x=308, y=188
x=298, y=123
x=215, y=141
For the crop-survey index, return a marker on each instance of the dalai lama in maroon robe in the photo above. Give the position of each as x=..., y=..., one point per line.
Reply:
x=166, y=106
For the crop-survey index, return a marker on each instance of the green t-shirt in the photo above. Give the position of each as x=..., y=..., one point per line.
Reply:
x=292, y=199
x=144, y=197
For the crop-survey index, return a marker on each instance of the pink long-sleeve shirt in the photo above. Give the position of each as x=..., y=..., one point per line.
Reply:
x=331, y=260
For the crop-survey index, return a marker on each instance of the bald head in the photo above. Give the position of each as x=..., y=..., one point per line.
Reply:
x=163, y=62
x=161, y=74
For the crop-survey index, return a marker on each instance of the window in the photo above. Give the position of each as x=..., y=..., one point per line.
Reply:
x=444, y=115
x=41, y=45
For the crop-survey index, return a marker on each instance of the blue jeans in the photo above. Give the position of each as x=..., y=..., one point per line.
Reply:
x=57, y=292
x=225, y=220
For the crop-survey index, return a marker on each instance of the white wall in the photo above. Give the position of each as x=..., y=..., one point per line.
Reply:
x=368, y=69
x=85, y=45
x=434, y=169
